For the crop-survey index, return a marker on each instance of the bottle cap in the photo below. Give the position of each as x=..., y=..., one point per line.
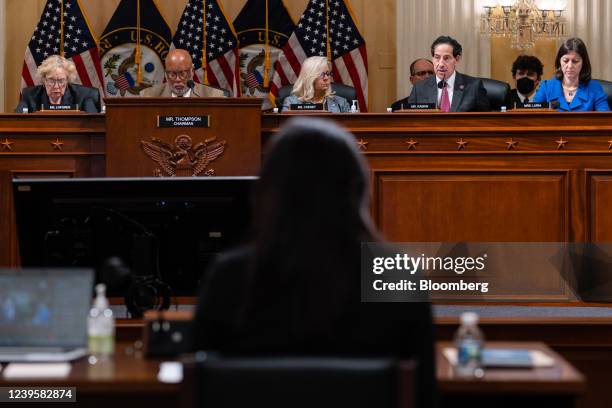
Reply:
x=469, y=318
x=101, y=302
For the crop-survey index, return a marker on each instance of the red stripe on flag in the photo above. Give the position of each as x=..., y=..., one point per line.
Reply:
x=227, y=72
x=80, y=66
x=95, y=57
x=25, y=74
x=354, y=74
x=237, y=73
x=293, y=60
x=364, y=56
x=210, y=75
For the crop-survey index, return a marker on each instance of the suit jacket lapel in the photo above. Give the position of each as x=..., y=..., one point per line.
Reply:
x=457, y=92
x=167, y=92
x=432, y=91
x=67, y=99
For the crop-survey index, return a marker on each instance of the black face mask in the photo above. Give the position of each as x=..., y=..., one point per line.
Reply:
x=525, y=85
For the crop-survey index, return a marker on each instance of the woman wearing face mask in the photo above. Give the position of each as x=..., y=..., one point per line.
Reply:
x=314, y=86
x=527, y=73
x=572, y=89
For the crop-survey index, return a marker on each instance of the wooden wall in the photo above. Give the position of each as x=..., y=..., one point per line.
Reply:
x=376, y=21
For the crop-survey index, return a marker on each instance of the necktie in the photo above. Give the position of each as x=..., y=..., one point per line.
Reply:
x=444, y=101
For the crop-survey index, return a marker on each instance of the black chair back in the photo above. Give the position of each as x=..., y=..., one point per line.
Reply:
x=497, y=93
x=345, y=91
x=607, y=87
x=298, y=382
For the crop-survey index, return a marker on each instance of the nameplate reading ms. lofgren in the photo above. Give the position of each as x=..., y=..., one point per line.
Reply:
x=183, y=121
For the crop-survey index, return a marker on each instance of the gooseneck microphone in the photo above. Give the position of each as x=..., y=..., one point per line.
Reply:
x=191, y=85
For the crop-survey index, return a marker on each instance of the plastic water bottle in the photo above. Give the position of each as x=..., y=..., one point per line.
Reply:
x=355, y=106
x=469, y=341
x=101, y=327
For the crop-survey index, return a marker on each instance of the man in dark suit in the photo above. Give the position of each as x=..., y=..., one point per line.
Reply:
x=449, y=90
x=420, y=69
x=527, y=73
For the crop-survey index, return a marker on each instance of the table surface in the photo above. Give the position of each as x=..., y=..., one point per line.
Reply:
x=561, y=378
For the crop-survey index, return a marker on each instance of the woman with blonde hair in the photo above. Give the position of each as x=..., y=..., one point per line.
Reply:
x=57, y=75
x=314, y=86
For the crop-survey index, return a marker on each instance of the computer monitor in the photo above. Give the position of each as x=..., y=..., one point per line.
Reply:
x=165, y=227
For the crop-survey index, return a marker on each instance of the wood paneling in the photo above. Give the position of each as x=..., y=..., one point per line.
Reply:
x=233, y=121
x=44, y=145
x=431, y=206
x=599, y=197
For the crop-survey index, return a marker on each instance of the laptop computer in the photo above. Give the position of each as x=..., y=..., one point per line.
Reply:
x=43, y=314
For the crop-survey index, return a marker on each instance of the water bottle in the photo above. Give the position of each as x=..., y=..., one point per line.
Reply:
x=469, y=341
x=355, y=106
x=101, y=326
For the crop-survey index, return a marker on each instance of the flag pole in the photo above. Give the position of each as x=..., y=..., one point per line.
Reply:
x=138, y=50
x=62, y=28
x=204, y=39
x=327, y=41
x=266, y=82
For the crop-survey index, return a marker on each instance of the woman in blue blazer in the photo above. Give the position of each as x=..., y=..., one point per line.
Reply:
x=572, y=89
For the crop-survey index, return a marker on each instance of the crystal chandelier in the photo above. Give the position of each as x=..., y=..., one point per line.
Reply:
x=523, y=21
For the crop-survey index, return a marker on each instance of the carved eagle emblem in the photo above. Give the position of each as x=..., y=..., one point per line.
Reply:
x=183, y=159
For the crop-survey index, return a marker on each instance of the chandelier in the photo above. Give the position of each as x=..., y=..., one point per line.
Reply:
x=524, y=21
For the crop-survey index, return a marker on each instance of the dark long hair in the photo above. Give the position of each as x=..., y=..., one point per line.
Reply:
x=578, y=46
x=311, y=212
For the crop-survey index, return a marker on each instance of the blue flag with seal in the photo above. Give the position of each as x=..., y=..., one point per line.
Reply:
x=263, y=28
x=133, y=48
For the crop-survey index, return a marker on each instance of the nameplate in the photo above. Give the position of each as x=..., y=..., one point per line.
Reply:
x=421, y=106
x=536, y=105
x=60, y=107
x=307, y=106
x=183, y=121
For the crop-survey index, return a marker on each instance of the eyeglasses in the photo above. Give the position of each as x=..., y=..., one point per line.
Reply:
x=325, y=74
x=55, y=82
x=179, y=74
x=423, y=73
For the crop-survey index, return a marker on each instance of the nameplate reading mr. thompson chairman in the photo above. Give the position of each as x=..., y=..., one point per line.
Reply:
x=183, y=121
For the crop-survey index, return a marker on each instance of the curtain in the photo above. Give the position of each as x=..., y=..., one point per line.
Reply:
x=419, y=22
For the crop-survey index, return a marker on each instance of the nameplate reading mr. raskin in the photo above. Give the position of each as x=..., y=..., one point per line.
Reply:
x=183, y=121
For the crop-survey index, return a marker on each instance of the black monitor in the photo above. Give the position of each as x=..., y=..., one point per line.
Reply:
x=165, y=227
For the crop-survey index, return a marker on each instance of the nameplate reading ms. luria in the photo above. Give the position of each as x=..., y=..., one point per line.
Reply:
x=183, y=121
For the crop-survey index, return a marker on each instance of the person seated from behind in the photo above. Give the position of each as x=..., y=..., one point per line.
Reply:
x=314, y=86
x=420, y=69
x=572, y=89
x=450, y=90
x=57, y=75
x=527, y=73
x=179, y=77
x=296, y=287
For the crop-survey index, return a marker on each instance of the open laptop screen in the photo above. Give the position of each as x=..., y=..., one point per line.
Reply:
x=44, y=307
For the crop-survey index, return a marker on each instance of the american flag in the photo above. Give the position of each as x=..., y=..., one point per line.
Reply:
x=348, y=50
x=79, y=44
x=222, y=61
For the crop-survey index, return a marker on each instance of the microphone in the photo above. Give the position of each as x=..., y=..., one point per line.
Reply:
x=191, y=85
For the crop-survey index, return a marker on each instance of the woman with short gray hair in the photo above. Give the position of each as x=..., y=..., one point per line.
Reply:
x=58, y=90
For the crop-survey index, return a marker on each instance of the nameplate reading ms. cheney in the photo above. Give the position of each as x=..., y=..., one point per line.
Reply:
x=183, y=121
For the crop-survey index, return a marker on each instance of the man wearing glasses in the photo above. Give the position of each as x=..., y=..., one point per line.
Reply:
x=179, y=80
x=420, y=69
